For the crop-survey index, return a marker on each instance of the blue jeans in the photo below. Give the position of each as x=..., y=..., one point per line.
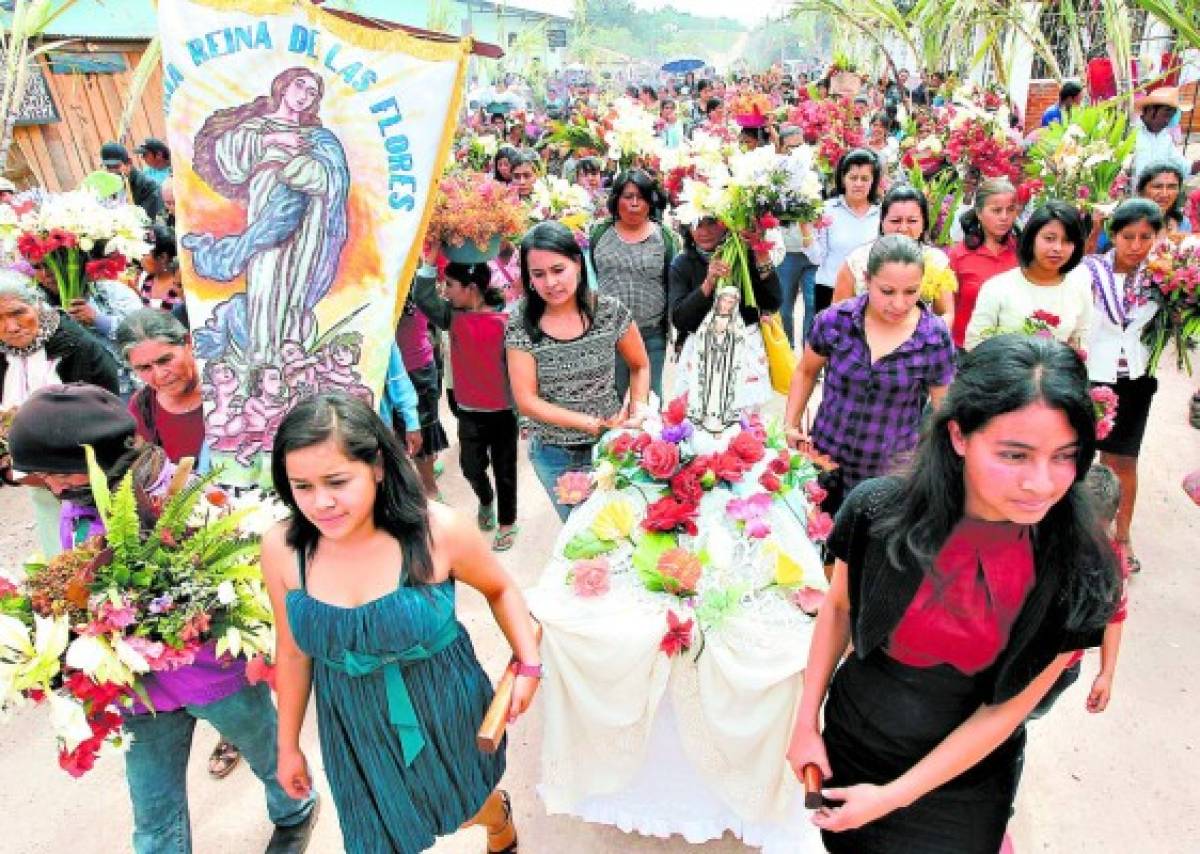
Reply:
x=156, y=766
x=656, y=349
x=797, y=277
x=550, y=462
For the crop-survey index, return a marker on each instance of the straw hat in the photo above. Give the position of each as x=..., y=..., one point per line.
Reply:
x=1166, y=96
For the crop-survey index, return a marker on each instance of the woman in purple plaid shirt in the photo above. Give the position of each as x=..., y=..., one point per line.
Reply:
x=884, y=354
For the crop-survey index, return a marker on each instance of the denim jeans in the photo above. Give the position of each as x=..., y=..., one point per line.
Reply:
x=656, y=349
x=156, y=766
x=797, y=277
x=550, y=462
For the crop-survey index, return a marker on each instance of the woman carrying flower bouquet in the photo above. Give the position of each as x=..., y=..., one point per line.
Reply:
x=362, y=580
x=988, y=248
x=924, y=722
x=563, y=346
x=41, y=346
x=473, y=313
x=211, y=688
x=1117, y=357
x=1048, y=293
x=904, y=211
x=631, y=253
x=884, y=353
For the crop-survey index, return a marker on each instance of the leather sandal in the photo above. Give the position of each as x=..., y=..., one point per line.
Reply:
x=511, y=848
x=224, y=758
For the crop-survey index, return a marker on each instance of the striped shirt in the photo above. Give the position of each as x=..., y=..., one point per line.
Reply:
x=633, y=274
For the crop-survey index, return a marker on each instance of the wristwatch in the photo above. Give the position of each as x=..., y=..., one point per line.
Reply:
x=533, y=671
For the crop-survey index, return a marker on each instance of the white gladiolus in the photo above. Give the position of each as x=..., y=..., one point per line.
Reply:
x=68, y=719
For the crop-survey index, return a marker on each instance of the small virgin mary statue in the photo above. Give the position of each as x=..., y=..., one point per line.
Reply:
x=716, y=365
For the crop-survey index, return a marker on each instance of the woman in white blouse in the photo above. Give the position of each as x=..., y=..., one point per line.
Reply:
x=1116, y=355
x=853, y=219
x=1048, y=281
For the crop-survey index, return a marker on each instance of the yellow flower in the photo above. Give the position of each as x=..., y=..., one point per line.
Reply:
x=788, y=573
x=937, y=281
x=605, y=476
x=614, y=522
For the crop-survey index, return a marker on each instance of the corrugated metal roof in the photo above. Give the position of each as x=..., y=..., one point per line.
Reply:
x=136, y=19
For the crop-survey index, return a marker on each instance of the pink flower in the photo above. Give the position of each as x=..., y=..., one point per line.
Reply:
x=573, y=488
x=808, y=599
x=752, y=513
x=678, y=636
x=590, y=578
x=660, y=459
x=820, y=526
x=258, y=669
x=7, y=588
x=815, y=492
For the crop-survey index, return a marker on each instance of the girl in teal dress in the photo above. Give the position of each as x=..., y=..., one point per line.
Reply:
x=362, y=581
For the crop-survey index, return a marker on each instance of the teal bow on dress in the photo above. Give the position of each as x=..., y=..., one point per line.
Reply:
x=401, y=713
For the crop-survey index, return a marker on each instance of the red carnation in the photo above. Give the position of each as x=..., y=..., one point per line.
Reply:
x=621, y=445
x=815, y=492
x=768, y=220
x=676, y=411
x=746, y=446
x=770, y=482
x=780, y=464
x=667, y=514
x=729, y=467
x=686, y=486
x=642, y=441
x=660, y=459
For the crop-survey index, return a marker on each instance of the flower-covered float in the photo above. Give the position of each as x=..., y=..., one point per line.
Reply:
x=677, y=611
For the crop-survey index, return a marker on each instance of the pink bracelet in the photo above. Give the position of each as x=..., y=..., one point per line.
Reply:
x=533, y=671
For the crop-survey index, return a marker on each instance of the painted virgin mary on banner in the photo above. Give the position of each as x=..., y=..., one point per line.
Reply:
x=291, y=173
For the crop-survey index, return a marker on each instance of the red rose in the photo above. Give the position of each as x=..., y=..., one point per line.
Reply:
x=747, y=447
x=667, y=514
x=770, y=482
x=640, y=443
x=676, y=411
x=686, y=486
x=660, y=459
x=621, y=445
x=729, y=466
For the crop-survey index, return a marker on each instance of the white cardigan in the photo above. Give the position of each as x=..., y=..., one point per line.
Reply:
x=1108, y=342
x=1008, y=299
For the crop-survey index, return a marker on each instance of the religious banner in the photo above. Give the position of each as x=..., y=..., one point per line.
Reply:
x=305, y=150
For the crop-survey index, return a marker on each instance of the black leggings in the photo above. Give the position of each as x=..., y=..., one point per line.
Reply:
x=486, y=437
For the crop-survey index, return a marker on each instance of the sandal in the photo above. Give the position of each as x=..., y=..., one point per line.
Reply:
x=224, y=758
x=505, y=539
x=486, y=517
x=511, y=848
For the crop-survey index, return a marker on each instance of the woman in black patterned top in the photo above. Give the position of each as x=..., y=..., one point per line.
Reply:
x=562, y=346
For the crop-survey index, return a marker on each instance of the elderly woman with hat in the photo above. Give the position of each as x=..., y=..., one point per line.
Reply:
x=1157, y=110
x=47, y=438
x=41, y=346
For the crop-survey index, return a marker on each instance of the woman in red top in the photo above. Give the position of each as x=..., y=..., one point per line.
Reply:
x=473, y=312
x=965, y=586
x=989, y=248
x=168, y=412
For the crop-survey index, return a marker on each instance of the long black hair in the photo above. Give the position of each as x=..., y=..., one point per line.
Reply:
x=1073, y=228
x=479, y=277
x=551, y=236
x=1162, y=167
x=973, y=236
x=401, y=508
x=1003, y=374
x=504, y=152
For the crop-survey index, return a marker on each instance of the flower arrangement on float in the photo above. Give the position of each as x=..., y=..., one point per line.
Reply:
x=79, y=633
x=477, y=152
x=750, y=109
x=1080, y=160
x=581, y=135
x=833, y=126
x=707, y=530
x=472, y=214
x=79, y=238
x=1172, y=275
x=979, y=140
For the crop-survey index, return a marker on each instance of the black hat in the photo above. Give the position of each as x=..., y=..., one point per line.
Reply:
x=113, y=154
x=50, y=429
x=153, y=146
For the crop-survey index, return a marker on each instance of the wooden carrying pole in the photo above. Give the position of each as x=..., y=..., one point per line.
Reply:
x=491, y=731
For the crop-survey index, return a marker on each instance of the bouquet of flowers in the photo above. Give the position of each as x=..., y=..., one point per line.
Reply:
x=557, y=199
x=1079, y=160
x=630, y=134
x=581, y=135
x=473, y=210
x=750, y=109
x=944, y=192
x=79, y=633
x=1173, y=275
x=1104, y=409
x=833, y=127
x=68, y=229
x=979, y=140
x=755, y=191
x=478, y=152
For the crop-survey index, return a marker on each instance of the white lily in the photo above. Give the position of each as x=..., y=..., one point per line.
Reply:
x=226, y=594
x=68, y=719
x=95, y=657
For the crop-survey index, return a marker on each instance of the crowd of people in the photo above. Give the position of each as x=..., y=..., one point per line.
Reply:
x=960, y=448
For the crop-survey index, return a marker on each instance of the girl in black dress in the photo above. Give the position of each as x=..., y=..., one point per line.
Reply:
x=964, y=587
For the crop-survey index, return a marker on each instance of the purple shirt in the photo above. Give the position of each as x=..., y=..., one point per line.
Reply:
x=871, y=413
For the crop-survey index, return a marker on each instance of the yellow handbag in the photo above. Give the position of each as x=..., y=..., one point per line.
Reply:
x=781, y=361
